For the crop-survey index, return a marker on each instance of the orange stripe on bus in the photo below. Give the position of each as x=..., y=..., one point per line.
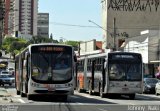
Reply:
x=81, y=80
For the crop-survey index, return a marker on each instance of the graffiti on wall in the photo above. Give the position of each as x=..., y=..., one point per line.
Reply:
x=133, y=5
x=120, y=34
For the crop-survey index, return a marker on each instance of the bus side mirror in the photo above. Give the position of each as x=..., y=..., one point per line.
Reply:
x=24, y=63
x=75, y=58
x=105, y=63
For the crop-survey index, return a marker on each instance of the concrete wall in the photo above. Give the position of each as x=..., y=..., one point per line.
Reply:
x=87, y=46
x=153, y=45
x=146, y=44
x=131, y=17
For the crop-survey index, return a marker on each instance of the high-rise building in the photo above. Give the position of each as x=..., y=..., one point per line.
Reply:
x=1, y=20
x=6, y=15
x=43, y=25
x=24, y=18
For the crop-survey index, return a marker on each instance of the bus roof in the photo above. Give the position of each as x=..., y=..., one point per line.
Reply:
x=41, y=44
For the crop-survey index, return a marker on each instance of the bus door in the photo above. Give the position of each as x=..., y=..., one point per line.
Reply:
x=92, y=74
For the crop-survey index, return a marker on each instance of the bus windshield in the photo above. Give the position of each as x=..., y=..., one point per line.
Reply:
x=51, y=66
x=125, y=71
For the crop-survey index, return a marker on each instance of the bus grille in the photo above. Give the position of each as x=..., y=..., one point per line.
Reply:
x=46, y=91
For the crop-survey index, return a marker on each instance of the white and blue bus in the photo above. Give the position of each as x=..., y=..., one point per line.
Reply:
x=36, y=72
x=113, y=73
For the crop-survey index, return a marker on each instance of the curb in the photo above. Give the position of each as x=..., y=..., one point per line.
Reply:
x=4, y=92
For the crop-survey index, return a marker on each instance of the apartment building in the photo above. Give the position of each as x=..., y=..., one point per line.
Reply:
x=1, y=19
x=43, y=25
x=23, y=18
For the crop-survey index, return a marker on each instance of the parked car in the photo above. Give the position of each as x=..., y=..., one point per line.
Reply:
x=157, y=88
x=11, y=70
x=149, y=85
x=4, y=72
x=7, y=79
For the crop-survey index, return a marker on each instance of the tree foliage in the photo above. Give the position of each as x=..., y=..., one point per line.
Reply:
x=36, y=39
x=12, y=44
x=73, y=43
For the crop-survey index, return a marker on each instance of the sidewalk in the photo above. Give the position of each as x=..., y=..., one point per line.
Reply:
x=3, y=92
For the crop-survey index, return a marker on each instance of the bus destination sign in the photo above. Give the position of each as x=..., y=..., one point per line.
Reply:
x=48, y=49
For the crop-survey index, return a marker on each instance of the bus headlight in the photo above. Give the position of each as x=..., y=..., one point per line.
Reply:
x=148, y=86
x=69, y=85
x=35, y=84
x=111, y=85
x=35, y=71
x=138, y=85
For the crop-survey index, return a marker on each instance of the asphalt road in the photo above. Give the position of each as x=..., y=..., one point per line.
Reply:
x=79, y=102
x=9, y=101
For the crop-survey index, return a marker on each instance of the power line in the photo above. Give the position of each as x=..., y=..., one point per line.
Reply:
x=73, y=25
x=134, y=27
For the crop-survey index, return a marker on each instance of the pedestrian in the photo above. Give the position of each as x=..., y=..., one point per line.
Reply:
x=157, y=75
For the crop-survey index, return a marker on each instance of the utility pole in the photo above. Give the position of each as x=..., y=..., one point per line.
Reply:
x=159, y=52
x=114, y=33
x=79, y=49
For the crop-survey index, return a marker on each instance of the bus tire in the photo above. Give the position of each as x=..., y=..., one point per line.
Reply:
x=78, y=88
x=23, y=94
x=29, y=97
x=101, y=91
x=18, y=92
x=90, y=89
x=64, y=98
x=132, y=96
x=156, y=92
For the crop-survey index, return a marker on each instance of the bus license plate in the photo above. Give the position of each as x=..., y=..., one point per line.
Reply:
x=51, y=88
x=125, y=89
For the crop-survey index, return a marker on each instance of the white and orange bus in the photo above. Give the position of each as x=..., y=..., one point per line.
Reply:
x=36, y=74
x=111, y=73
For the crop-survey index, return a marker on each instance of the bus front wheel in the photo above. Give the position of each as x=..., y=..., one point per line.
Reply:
x=101, y=91
x=18, y=92
x=64, y=98
x=29, y=97
x=90, y=89
x=132, y=96
x=78, y=88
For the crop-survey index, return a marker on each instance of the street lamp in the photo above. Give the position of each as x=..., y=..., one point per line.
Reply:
x=62, y=39
x=104, y=30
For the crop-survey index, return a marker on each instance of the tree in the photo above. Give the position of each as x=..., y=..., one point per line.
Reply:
x=51, y=37
x=13, y=45
x=73, y=43
x=37, y=39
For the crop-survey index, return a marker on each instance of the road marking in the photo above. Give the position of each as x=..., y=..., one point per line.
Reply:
x=79, y=103
x=16, y=96
x=22, y=101
x=102, y=109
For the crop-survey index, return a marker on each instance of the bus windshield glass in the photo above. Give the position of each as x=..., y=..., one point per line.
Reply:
x=125, y=70
x=52, y=64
